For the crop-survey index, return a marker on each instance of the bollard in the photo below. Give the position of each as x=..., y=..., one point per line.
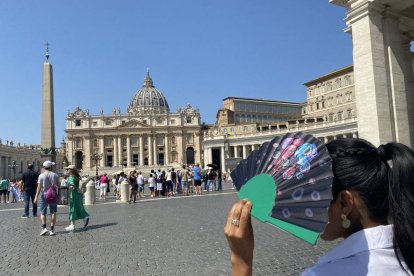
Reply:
x=90, y=193
x=124, y=191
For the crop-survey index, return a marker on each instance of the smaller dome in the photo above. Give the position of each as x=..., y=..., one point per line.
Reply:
x=148, y=99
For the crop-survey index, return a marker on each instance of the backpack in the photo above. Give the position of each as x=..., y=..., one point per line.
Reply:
x=51, y=195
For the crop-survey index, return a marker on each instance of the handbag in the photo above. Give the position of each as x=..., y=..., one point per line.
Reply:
x=51, y=195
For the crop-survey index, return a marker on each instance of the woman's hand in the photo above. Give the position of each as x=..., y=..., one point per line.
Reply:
x=239, y=234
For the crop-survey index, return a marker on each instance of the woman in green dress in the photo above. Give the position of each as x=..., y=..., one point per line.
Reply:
x=76, y=208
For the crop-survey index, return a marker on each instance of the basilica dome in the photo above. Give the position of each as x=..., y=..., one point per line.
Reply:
x=148, y=100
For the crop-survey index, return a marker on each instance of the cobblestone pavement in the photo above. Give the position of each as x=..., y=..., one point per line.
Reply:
x=168, y=236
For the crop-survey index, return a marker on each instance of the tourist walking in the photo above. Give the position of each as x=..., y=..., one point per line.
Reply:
x=169, y=183
x=104, y=182
x=159, y=182
x=76, y=208
x=133, y=187
x=4, y=187
x=151, y=183
x=13, y=190
x=140, y=181
x=219, y=181
x=47, y=182
x=197, y=178
x=210, y=180
x=184, y=180
x=29, y=179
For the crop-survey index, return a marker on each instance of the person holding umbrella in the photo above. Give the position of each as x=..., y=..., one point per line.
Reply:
x=76, y=208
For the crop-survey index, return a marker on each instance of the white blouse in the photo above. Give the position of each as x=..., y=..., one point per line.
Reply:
x=366, y=252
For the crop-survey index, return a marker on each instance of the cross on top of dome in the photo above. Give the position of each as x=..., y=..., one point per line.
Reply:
x=148, y=81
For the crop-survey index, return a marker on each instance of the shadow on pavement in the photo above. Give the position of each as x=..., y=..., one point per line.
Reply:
x=97, y=226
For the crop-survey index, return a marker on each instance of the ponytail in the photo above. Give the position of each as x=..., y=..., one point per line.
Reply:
x=401, y=199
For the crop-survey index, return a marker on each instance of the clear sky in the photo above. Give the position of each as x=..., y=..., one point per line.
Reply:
x=198, y=52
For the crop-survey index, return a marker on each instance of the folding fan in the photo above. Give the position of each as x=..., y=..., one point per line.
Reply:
x=289, y=182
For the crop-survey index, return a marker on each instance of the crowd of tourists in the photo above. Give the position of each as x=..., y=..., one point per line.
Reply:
x=11, y=190
x=45, y=189
x=159, y=182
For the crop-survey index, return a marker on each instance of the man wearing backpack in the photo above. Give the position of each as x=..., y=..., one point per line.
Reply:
x=47, y=181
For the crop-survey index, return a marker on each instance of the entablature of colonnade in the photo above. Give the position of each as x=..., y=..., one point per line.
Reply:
x=349, y=125
x=402, y=10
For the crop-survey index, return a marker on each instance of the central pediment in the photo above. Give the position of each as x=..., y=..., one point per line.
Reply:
x=133, y=123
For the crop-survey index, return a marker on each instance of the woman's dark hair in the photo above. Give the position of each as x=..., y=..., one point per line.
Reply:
x=384, y=179
x=74, y=173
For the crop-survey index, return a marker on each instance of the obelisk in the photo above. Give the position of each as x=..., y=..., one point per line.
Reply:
x=48, y=114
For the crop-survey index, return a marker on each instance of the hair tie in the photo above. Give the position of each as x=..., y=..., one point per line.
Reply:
x=382, y=153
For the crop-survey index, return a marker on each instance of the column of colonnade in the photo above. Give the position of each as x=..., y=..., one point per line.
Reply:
x=223, y=159
x=384, y=79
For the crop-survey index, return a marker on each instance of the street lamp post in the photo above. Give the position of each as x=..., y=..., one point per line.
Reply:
x=64, y=166
x=13, y=166
x=96, y=157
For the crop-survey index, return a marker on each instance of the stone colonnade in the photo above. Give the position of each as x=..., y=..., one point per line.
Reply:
x=383, y=66
x=13, y=161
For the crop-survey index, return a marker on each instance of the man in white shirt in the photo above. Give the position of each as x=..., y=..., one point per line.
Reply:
x=140, y=181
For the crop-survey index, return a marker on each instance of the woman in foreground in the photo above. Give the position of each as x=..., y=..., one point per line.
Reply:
x=372, y=187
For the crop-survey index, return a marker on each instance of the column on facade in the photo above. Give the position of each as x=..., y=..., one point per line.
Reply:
x=244, y=151
x=8, y=168
x=197, y=149
x=141, y=150
x=102, y=150
x=154, y=147
x=129, y=151
x=223, y=159
x=115, y=155
x=88, y=153
x=69, y=151
x=210, y=156
x=181, y=152
x=150, y=159
x=120, y=153
x=166, y=150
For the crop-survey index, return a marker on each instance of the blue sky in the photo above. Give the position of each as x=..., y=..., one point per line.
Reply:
x=198, y=52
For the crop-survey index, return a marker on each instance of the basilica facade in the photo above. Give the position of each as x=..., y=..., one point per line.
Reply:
x=147, y=135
